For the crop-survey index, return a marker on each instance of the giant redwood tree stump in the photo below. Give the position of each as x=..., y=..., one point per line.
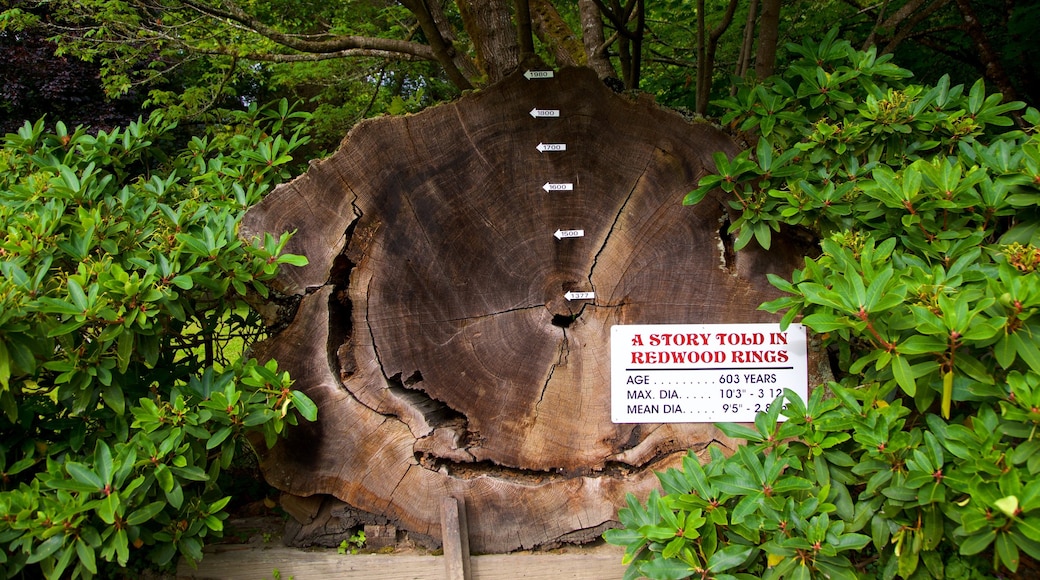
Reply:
x=434, y=329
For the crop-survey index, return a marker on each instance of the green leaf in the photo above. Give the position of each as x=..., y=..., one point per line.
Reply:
x=5, y=367
x=1008, y=505
x=175, y=496
x=292, y=260
x=146, y=513
x=86, y=556
x=218, y=437
x=79, y=298
x=977, y=542
x=1026, y=349
x=1008, y=551
x=903, y=375
x=305, y=406
x=665, y=569
x=84, y=475
x=46, y=549
x=673, y=547
x=113, y=395
x=103, y=461
x=124, y=349
x=164, y=477
x=907, y=562
x=738, y=431
x=108, y=507
x=729, y=557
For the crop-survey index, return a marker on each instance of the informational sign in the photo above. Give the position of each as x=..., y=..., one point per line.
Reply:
x=703, y=373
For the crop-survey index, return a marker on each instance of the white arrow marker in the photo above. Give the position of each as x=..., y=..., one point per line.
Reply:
x=560, y=234
x=558, y=187
x=579, y=295
x=538, y=74
x=545, y=113
x=543, y=147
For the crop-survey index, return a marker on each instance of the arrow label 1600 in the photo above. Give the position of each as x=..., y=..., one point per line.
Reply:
x=558, y=187
x=543, y=147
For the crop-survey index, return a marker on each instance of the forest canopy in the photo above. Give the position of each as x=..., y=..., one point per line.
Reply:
x=353, y=59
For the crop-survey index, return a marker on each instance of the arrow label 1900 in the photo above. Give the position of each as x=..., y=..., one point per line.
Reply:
x=543, y=147
x=560, y=234
x=579, y=295
x=545, y=113
x=538, y=74
x=558, y=187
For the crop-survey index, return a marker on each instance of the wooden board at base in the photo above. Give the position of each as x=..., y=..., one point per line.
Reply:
x=253, y=563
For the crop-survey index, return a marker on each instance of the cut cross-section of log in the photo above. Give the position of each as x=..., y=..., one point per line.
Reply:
x=457, y=346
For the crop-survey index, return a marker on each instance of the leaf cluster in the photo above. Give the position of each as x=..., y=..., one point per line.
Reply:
x=847, y=486
x=124, y=281
x=925, y=289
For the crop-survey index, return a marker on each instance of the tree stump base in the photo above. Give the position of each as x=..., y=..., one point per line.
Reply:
x=434, y=328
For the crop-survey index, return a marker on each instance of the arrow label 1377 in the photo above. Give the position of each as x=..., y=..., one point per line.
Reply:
x=579, y=295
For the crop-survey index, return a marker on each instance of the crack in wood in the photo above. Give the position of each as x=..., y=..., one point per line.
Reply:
x=490, y=314
x=617, y=218
x=727, y=253
x=469, y=137
x=436, y=413
x=561, y=359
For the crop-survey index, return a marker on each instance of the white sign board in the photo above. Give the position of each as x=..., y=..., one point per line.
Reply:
x=703, y=373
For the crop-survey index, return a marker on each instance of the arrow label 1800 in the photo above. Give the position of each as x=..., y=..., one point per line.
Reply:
x=560, y=234
x=543, y=147
x=558, y=187
x=538, y=74
x=544, y=113
x=579, y=295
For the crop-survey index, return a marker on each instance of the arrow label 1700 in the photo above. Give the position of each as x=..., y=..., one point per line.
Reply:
x=543, y=147
x=538, y=74
x=545, y=113
x=558, y=187
x=560, y=234
x=579, y=295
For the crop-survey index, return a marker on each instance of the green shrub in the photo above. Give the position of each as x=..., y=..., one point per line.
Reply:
x=923, y=464
x=123, y=278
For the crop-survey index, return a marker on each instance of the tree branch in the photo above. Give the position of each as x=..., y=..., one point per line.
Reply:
x=334, y=45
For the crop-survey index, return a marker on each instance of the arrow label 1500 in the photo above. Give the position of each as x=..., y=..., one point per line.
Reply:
x=560, y=234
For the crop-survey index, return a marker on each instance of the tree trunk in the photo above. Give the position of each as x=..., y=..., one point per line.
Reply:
x=708, y=45
x=442, y=50
x=594, y=40
x=493, y=35
x=554, y=31
x=992, y=68
x=747, y=44
x=433, y=329
x=768, y=36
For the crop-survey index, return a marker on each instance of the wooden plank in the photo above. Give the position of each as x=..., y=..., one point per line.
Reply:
x=276, y=561
x=455, y=539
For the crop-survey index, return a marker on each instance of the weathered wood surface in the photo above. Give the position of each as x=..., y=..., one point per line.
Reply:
x=432, y=327
x=253, y=563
